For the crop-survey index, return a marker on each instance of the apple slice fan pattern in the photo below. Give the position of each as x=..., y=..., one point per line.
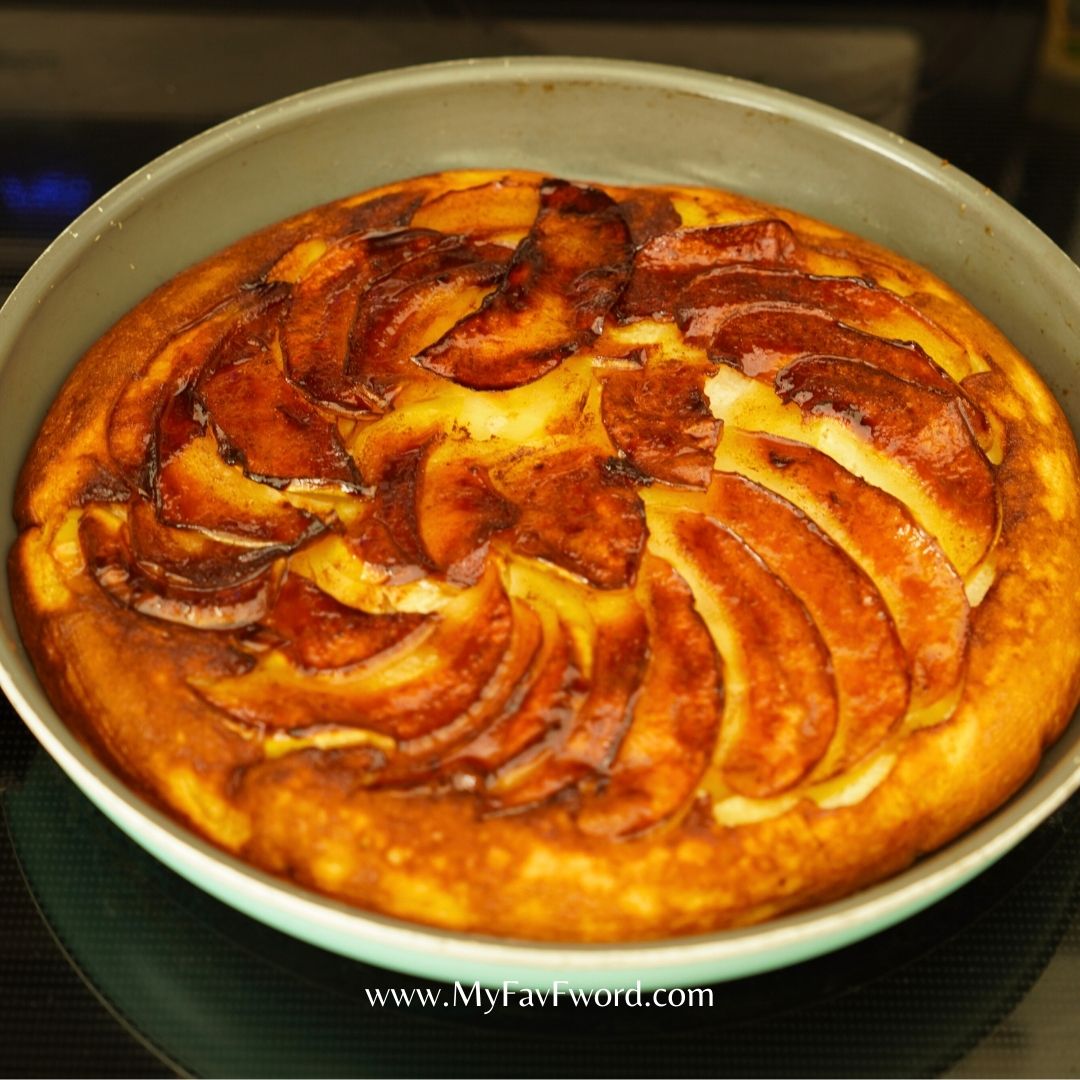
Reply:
x=653, y=512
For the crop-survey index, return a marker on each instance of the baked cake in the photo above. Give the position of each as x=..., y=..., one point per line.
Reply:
x=557, y=560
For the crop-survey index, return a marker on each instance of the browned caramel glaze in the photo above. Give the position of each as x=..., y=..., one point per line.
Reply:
x=226, y=605
x=265, y=425
x=714, y=296
x=396, y=311
x=502, y=700
x=194, y=487
x=134, y=415
x=762, y=342
x=871, y=669
x=660, y=419
x=562, y=280
x=916, y=425
x=458, y=511
x=590, y=738
x=646, y=527
x=315, y=339
x=317, y=632
x=664, y=755
x=461, y=656
x=926, y=596
x=791, y=714
x=669, y=262
x=574, y=513
x=389, y=534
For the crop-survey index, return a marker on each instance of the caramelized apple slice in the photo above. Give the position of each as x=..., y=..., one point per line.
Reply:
x=318, y=632
x=134, y=416
x=659, y=418
x=872, y=680
x=490, y=425
x=270, y=429
x=924, y=594
x=553, y=693
x=561, y=282
x=760, y=343
x=415, y=304
x=339, y=566
x=390, y=535
x=676, y=718
x=106, y=546
x=420, y=760
x=404, y=694
x=648, y=214
x=668, y=263
x=790, y=696
x=714, y=297
x=496, y=209
x=593, y=733
x=391, y=211
x=194, y=488
x=576, y=514
x=751, y=405
x=458, y=512
x=923, y=429
x=315, y=339
x=188, y=558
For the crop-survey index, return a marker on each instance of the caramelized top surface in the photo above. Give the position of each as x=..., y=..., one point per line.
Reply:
x=547, y=492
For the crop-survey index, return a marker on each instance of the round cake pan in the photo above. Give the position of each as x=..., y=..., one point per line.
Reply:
x=576, y=118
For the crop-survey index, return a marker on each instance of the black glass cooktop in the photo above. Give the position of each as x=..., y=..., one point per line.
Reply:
x=110, y=965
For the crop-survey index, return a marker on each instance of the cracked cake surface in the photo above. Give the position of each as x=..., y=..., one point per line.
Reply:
x=558, y=560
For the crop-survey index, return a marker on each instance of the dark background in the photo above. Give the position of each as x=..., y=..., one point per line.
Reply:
x=112, y=966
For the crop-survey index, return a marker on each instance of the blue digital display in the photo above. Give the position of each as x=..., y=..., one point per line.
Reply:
x=51, y=192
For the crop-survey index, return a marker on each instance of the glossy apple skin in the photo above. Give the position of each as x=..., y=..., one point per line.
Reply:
x=395, y=313
x=923, y=591
x=193, y=487
x=659, y=418
x=316, y=632
x=763, y=341
x=671, y=261
x=189, y=557
x=459, y=510
x=315, y=340
x=134, y=415
x=389, y=534
x=581, y=749
x=260, y=421
x=712, y=297
x=923, y=429
x=676, y=720
x=791, y=692
x=555, y=691
x=577, y=513
x=868, y=659
x=402, y=695
x=561, y=282
x=229, y=600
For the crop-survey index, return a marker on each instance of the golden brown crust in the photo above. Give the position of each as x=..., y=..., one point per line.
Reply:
x=186, y=707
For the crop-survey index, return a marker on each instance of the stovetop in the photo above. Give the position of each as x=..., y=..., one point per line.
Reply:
x=111, y=965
